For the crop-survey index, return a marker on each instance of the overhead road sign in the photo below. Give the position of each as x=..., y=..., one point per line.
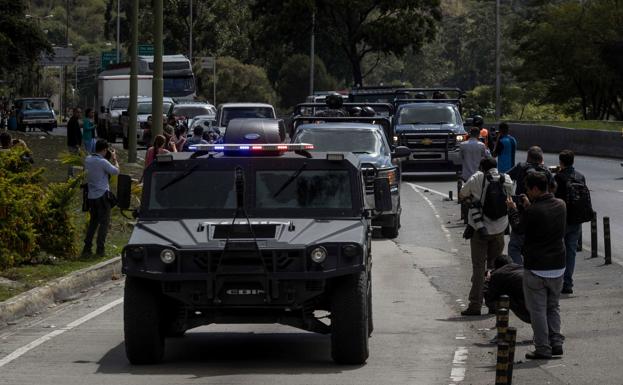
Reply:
x=207, y=62
x=108, y=58
x=61, y=56
x=145, y=50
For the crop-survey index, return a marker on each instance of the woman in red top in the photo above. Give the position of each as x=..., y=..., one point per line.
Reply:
x=157, y=148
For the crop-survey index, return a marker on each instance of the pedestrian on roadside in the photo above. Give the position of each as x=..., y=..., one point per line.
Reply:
x=180, y=137
x=88, y=131
x=74, y=135
x=169, y=134
x=506, y=279
x=542, y=222
x=571, y=188
x=472, y=152
x=156, y=149
x=100, y=198
x=487, y=189
x=483, y=134
x=533, y=163
x=505, y=148
x=197, y=138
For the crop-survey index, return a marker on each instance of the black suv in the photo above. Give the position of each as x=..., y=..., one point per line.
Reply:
x=262, y=235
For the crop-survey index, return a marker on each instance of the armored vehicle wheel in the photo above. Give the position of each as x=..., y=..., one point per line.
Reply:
x=391, y=232
x=349, y=320
x=144, y=339
x=370, y=319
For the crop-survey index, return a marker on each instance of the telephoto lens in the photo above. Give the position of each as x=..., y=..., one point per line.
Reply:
x=475, y=211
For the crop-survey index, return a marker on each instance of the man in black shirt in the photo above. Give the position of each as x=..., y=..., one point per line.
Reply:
x=506, y=279
x=74, y=135
x=534, y=162
x=542, y=222
x=572, y=234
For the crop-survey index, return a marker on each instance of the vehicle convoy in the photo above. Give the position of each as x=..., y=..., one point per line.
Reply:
x=368, y=142
x=177, y=74
x=35, y=113
x=267, y=232
x=432, y=129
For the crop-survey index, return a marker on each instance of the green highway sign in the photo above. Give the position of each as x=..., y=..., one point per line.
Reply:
x=108, y=58
x=145, y=50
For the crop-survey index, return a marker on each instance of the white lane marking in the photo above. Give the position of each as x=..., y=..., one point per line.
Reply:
x=445, y=230
x=457, y=374
x=28, y=347
x=429, y=189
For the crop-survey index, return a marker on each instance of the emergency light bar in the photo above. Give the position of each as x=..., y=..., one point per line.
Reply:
x=278, y=147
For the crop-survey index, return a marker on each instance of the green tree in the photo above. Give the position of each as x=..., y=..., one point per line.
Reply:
x=355, y=28
x=293, y=81
x=237, y=82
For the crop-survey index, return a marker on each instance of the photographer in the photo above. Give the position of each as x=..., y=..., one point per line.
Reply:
x=487, y=190
x=543, y=223
x=99, y=166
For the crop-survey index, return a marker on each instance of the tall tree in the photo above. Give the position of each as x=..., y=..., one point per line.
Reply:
x=356, y=28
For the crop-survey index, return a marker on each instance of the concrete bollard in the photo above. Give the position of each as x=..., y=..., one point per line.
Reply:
x=607, y=245
x=501, y=323
x=450, y=195
x=511, y=339
x=594, y=236
x=501, y=366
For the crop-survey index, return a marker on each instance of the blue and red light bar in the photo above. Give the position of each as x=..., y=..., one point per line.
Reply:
x=277, y=147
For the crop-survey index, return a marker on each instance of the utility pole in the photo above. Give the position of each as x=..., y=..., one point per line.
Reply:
x=312, y=54
x=133, y=85
x=63, y=105
x=157, y=83
x=190, y=38
x=498, y=80
x=118, y=28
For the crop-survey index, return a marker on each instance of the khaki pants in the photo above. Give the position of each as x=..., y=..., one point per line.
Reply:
x=485, y=249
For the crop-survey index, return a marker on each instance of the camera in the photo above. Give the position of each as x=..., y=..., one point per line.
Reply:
x=109, y=153
x=475, y=212
x=553, y=169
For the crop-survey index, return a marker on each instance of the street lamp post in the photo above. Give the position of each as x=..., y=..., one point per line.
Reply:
x=498, y=77
x=190, y=37
x=118, y=27
x=312, y=54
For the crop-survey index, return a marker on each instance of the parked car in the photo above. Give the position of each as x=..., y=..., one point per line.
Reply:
x=35, y=113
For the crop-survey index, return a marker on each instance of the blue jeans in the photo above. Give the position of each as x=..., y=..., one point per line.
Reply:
x=514, y=247
x=571, y=247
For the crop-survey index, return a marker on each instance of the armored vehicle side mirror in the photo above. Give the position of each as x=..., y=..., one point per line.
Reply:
x=401, y=152
x=124, y=191
x=382, y=195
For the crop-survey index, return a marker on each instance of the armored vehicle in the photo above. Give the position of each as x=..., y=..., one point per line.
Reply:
x=264, y=233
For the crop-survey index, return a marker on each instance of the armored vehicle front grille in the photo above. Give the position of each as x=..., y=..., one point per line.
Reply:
x=244, y=261
x=244, y=232
x=428, y=141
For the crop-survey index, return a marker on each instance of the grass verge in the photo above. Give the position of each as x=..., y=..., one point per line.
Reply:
x=580, y=124
x=46, y=150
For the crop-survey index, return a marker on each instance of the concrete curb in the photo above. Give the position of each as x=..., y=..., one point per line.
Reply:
x=59, y=290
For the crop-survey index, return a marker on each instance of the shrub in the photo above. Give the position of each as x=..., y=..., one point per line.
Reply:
x=33, y=218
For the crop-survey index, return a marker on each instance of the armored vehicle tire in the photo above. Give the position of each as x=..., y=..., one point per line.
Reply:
x=370, y=319
x=349, y=320
x=391, y=232
x=144, y=339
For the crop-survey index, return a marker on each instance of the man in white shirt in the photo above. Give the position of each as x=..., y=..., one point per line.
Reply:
x=488, y=244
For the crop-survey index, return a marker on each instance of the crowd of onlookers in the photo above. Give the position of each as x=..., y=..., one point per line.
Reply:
x=542, y=210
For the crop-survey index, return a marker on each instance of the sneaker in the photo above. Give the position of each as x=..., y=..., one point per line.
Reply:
x=566, y=290
x=557, y=350
x=470, y=312
x=538, y=356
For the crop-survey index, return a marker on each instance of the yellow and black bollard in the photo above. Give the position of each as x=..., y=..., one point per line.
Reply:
x=607, y=245
x=501, y=367
x=511, y=339
x=594, y=236
x=501, y=323
x=503, y=302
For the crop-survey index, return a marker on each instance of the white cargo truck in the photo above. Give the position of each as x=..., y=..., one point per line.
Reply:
x=113, y=98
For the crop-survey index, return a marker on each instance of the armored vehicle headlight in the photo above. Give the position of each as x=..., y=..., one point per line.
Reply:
x=167, y=256
x=318, y=254
x=460, y=138
x=350, y=251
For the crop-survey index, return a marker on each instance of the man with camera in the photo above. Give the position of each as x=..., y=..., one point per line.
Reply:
x=542, y=222
x=487, y=191
x=99, y=166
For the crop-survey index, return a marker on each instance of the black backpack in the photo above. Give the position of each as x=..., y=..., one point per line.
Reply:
x=578, y=200
x=494, y=204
